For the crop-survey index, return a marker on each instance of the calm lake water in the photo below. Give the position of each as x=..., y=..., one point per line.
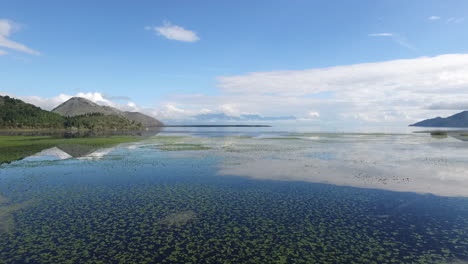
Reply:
x=240, y=196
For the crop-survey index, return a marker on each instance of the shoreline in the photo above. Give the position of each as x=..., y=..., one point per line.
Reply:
x=115, y=130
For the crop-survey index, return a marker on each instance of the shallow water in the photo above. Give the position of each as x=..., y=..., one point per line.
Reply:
x=240, y=196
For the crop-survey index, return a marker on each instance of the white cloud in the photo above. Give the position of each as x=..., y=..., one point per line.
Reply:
x=434, y=18
x=397, y=38
x=455, y=20
x=397, y=92
x=171, y=110
x=49, y=103
x=391, y=91
x=2, y=52
x=175, y=32
x=381, y=35
x=6, y=28
x=314, y=114
x=166, y=111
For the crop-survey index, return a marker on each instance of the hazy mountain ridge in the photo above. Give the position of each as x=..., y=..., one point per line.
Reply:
x=457, y=120
x=79, y=106
x=243, y=117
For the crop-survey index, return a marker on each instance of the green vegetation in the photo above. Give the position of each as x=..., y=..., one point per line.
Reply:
x=16, y=114
x=154, y=221
x=7, y=221
x=97, y=121
x=178, y=219
x=178, y=143
x=283, y=138
x=152, y=207
x=182, y=147
x=439, y=133
x=17, y=147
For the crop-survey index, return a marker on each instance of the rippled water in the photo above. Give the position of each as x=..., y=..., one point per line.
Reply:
x=231, y=197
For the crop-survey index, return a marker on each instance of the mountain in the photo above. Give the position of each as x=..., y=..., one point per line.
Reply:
x=16, y=114
x=79, y=106
x=457, y=120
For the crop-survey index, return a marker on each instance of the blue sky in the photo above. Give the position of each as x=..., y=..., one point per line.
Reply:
x=226, y=51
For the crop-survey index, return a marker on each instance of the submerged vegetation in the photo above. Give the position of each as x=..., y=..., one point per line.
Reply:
x=182, y=147
x=178, y=219
x=236, y=222
x=7, y=222
x=150, y=206
x=439, y=133
x=177, y=143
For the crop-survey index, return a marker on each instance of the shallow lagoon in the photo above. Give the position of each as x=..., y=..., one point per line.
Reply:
x=240, y=197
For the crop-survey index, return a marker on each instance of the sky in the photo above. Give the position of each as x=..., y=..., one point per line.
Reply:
x=375, y=62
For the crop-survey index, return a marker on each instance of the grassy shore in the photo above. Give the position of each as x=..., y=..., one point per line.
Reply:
x=18, y=147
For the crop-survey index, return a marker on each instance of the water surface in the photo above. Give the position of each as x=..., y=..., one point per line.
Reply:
x=240, y=196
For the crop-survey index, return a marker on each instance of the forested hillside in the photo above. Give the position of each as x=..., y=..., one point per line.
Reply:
x=16, y=114
x=98, y=121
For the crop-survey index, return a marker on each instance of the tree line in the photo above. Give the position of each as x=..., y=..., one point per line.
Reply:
x=16, y=114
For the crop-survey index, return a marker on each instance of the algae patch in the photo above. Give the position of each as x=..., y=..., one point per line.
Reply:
x=182, y=147
x=178, y=219
x=178, y=143
x=7, y=221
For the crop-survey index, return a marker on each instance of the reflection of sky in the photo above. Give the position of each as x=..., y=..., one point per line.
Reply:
x=399, y=163
x=405, y=163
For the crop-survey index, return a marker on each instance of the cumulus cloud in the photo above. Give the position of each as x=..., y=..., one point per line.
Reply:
x=49, y=103
x=175, y=32
x=373, y=92
x=397, y=92
x=6, y=28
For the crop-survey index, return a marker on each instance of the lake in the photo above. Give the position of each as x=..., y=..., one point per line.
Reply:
x=250, y=195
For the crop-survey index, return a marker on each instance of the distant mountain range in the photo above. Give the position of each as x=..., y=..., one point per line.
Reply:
x=76, y=113
x=78, y=106
x=457, y=120
x=224, y=117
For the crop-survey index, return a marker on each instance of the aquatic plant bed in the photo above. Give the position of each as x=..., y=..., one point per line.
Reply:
x=317, y=199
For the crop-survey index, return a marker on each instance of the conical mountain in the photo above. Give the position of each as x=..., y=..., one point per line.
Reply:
x=80, y=106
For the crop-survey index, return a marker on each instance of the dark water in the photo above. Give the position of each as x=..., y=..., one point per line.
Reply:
x=225, y=198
